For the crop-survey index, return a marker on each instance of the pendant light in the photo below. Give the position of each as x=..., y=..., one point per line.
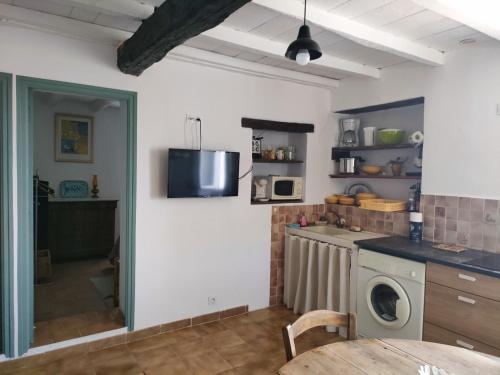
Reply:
x=303, y=49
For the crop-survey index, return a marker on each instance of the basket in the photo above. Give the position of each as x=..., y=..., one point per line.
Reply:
x=384, y=205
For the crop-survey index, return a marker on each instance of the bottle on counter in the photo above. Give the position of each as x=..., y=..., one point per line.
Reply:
x=303, y=221
x=414, y=198
x=416, y=224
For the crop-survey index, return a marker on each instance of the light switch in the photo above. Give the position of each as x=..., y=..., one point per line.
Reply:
x=498, y=109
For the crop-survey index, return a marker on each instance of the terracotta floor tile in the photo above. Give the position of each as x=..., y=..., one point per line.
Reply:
x=243, y=345
x=154, y=357
x=223, y=339
x=208, y=328
x=68, y=317
x=251, y=331
x=147, y=344
x=106, y=355
x=208, y=363
x=236, y=321
x=184, y=335
x=174, y=365
x=119, y=366
x=238, y=355
x=192, y=347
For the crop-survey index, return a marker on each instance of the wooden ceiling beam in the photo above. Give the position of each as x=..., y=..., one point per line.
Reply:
x=357, y=32
x=171, y=24
x=479, y=15
x=277, y=49
x=119, y=7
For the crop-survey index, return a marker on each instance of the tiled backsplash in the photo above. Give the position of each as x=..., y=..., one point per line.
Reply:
x=281, y=216
x=392, y=223
x=472, y=222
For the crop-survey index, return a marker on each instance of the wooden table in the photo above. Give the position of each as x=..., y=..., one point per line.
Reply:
x=389, y=356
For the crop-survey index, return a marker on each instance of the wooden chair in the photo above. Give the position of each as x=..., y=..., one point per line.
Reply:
x=316, y=319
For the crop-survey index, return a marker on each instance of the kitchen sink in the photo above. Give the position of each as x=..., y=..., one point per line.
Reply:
x=328, y=230
x=332, y=234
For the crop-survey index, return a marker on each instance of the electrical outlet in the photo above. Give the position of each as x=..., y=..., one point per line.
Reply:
x=212, y=300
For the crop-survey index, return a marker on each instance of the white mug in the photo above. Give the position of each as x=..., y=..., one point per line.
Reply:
x=369, y=135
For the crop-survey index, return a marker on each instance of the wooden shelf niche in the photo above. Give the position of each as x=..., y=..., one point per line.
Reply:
x=276, y=134
x=407, y=115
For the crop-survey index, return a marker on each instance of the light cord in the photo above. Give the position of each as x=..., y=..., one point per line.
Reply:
x=305, y=9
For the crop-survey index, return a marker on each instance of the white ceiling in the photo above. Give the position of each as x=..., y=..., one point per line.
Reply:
x=402, y=18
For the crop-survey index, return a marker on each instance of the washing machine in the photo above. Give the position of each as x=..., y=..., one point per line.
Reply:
x=390, y=296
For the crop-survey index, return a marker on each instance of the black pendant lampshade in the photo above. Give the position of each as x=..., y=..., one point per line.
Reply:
x=304, y=42
x=303, y=48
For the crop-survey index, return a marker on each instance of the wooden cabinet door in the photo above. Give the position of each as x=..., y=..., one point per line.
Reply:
x=81, y=229
x=464, y=313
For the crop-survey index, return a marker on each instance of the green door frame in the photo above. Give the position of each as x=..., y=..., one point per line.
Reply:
x=25, y=87
x=6, y=262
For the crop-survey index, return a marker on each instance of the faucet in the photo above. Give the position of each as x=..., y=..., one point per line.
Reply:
x=341, y=222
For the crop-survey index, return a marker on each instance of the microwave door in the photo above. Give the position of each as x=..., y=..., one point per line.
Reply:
x=284, y=188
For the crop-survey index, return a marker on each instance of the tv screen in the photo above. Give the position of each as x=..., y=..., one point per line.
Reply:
x=202, y=173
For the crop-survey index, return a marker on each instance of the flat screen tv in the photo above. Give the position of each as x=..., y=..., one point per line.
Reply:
x=202, y=173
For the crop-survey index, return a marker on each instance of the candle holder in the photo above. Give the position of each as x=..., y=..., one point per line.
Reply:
x=95, y=189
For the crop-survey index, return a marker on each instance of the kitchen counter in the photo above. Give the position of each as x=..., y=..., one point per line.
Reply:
x=470, y=260
x=331, y=234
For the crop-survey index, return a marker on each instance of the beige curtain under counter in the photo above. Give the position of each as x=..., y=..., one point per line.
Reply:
x=316, y=275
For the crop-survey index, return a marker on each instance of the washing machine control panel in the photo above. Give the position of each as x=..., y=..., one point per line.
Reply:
x=392, y=265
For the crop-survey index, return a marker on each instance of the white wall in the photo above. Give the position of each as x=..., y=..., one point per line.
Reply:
x=109, y=147
x=189, y=249
x=462, y=129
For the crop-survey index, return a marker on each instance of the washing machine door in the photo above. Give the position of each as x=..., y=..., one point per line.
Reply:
x=388, y=302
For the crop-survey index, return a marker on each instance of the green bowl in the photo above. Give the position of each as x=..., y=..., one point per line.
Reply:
x=391, y=136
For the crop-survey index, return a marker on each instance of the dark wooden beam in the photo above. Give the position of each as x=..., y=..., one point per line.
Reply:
x=171, y=24
x=278, y=126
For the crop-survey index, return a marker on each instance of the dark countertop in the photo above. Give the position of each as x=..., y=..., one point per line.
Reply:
x=470, y=260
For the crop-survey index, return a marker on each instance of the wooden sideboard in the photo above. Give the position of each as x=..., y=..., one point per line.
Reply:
x=462, y=308
x=81, y=229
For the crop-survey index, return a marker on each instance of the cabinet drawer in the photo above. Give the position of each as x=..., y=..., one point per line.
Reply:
x=471, y=282
x=440, y=335
x=464, y=313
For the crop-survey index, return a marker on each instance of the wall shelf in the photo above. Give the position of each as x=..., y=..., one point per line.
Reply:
x=277, y=201
x=265, y=161
x=278, y=126
x=345, y=152
x=381, y=177
x=384, y=106
x=374, y=148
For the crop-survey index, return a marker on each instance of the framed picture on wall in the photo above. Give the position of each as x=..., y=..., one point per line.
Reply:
x=74, y=138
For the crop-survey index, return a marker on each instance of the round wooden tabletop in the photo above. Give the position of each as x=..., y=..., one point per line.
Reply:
x=389, y=356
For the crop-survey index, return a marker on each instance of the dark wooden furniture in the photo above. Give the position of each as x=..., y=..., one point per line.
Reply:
x=462, y=308
x=81, y=229
x=314, y=319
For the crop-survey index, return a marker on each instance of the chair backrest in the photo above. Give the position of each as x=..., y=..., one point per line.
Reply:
x=316, y=319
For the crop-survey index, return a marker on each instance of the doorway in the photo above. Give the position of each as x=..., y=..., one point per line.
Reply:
x=6, y=326
x=76, y=205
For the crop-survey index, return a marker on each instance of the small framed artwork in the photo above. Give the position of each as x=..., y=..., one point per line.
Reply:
x=74, y=138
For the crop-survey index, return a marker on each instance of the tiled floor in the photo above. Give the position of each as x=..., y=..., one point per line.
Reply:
x=247, y=344
x=70, y=305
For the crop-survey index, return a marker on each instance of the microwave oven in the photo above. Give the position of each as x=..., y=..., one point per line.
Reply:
x=284, y=187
